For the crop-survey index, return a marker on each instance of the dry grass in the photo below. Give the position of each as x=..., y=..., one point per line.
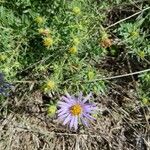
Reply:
x=122, y=124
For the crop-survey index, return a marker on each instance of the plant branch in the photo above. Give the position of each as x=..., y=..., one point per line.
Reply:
x=122, y=20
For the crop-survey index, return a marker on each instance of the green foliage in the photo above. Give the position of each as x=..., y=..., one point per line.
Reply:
x=58, y=43
x=55, y=37
x=144, y=88
x=135, y=39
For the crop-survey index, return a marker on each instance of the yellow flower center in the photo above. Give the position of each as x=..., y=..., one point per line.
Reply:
x=76, y=110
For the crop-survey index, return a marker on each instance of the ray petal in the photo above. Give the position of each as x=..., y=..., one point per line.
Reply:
x=63, y=112
x=84, y=121
x=68, y=118
x=76, y=122
x=72, y=122
x=87, y=97
x=63, y=116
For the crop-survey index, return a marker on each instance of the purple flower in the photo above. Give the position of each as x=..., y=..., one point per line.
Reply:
x=75, y=109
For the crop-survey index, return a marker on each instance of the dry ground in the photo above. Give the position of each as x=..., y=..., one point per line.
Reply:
x=122, y=124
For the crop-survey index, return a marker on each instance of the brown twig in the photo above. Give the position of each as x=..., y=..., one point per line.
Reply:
x=122, y=20
x=120, y=76
x=103, y=78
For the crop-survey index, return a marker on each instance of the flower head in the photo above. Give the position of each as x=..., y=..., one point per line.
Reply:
x=141, y=54
x=50, y=85
x=3, y=57
x=106, y=42
x=76, y=10
x=39, y=20
x=73, y=50
x=52, y=110
x=75, y=109
x=145, y=101
x=45, y=32
x=134, y=34
x=48, y=41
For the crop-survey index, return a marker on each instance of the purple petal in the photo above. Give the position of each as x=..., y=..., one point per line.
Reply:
x=76, y=123
x=68, y=100
x=63, y=104
x=89, y=117
x=62, y=109
x=74, y=99
x=87, y=97
x=89, y=108
x=68, y=95
x=63, y=116
x=65, y=99
x=72, y=122
x=67, y=119
x=84, y=121
x=63, y=112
